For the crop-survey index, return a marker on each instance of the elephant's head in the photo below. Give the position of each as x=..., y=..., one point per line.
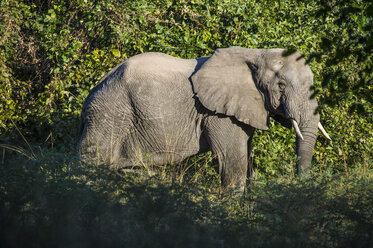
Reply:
x=254, y=84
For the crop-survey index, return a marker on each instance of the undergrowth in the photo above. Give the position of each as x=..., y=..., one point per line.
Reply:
x=53, y=200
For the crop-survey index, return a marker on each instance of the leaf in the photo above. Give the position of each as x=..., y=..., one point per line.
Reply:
x=115, y=52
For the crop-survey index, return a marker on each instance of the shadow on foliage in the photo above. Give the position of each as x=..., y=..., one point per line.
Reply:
x=55, y=201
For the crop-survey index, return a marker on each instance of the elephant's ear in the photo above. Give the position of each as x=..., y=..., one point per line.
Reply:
x=225, y=84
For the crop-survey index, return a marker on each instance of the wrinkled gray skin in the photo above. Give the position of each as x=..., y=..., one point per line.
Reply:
x=158, y=109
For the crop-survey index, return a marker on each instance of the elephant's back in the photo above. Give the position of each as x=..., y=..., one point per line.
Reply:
x=159, y=88
x=159, y=64
x=145, y=67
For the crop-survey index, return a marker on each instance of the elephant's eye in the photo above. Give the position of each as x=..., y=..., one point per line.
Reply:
x=282, y=85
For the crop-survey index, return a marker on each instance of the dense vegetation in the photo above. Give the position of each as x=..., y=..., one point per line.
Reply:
x=53, y=52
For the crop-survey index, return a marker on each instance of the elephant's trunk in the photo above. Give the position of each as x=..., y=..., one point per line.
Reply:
x=304, y=148
x=305, y=123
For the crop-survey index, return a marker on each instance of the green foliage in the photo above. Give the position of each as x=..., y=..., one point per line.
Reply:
x=52, y=53
x=347, y=45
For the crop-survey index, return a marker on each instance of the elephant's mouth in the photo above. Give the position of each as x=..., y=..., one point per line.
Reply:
x=297, y=130
x=286, y=113
x=283, y=115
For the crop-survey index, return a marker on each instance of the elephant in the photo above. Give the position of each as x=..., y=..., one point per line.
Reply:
x=161, y=109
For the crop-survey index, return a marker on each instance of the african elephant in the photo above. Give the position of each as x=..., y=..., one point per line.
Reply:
x=164, y=109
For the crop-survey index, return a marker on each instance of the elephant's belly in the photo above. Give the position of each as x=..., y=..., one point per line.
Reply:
x=161, y=141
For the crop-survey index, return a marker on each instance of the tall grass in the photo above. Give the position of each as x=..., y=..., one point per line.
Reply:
x=53, y=200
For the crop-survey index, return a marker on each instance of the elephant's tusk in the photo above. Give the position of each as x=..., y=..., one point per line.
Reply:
x=323, y=131
x=296, y=128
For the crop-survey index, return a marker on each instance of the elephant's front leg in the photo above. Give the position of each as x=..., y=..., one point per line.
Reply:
x=229, y=144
